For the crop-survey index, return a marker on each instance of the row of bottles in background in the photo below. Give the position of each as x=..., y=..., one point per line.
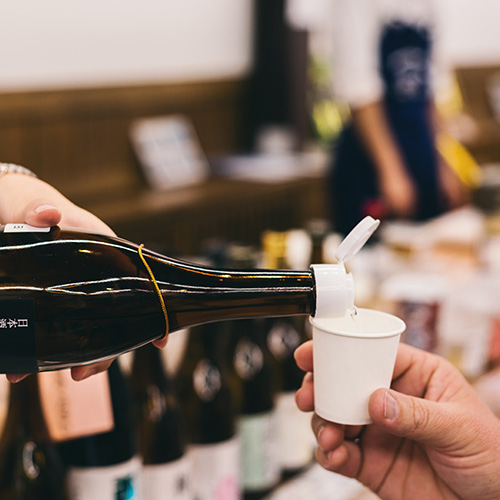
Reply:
x=69, y=461
x=224, y=425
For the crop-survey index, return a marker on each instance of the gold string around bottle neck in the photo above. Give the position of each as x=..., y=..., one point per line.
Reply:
x=158, y=291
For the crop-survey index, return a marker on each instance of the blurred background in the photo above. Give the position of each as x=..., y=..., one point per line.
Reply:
x=248, y=76
x=206, y=130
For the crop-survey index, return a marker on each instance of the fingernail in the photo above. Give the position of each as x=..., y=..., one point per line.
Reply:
x=86, y=373
x=14, y=378
x=42, y=208
x=320, y=430
x=391, y=408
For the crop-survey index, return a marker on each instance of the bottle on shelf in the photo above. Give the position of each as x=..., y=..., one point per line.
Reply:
x=106, y=466
x=73, y=298
x=253, y=369
x=160, y=424
x=283, y=336
x=30, y=465
x=319, y=230
x=204, y=390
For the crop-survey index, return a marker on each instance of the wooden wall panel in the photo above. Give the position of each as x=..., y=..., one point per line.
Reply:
x=78, y=141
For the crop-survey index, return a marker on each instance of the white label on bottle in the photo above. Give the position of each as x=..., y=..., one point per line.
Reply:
x=24, y=228
x=167, y=481
x=216, y=470
x=112, y=482
x=259, y=455
x=295, y=437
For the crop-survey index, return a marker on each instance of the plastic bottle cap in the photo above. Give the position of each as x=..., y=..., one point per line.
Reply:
x=334, y=286
x=334, y=290
x=355, y=240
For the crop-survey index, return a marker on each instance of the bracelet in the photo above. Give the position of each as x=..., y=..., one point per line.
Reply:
x=12, y=168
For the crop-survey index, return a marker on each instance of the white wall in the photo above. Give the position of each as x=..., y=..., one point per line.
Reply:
x=472, y=31
x=65, y=43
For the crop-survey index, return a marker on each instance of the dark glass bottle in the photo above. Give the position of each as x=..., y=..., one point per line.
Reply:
x=30, y=466
x=204, y=389
x=106, y=466
x=283, y=336
x=161, y=433
x=257, y=423
x=252, y=366
x=72, y=297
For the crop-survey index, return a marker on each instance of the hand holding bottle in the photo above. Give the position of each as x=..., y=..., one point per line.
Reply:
x=30, y=200
x=432, y=436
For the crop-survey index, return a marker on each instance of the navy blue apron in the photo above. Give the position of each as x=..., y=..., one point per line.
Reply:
x=404, y=65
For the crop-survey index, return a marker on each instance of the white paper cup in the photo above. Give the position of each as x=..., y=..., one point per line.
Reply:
x=353, y=356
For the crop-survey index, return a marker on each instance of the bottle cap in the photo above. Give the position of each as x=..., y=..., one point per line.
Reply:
x=356, y=239
x=334, y=286
x=334, y=290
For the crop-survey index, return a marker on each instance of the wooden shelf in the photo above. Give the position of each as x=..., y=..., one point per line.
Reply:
x=180, y=220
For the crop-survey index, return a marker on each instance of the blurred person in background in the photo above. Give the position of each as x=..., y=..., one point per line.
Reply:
x=388, y=68
x=432, y=437
x=24, y=198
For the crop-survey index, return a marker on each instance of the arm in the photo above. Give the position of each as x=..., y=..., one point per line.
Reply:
x=396, y=187
x=432, y=436
x=358, y=82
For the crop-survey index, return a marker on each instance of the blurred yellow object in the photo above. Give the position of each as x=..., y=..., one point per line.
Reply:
x=459, y=159
x=329, y=118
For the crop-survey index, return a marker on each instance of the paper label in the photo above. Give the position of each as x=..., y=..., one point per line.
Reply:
x=17, y=336
x=167, y=481
x=216, y=470
x=115, y=482
x=259, y=452
x=24, y=228
x=66, y=405
x=297, y=452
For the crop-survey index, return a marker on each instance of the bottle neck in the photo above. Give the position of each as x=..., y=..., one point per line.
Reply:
x=196, y=294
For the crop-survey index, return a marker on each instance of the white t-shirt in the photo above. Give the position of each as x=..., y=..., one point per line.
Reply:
x=357, y=28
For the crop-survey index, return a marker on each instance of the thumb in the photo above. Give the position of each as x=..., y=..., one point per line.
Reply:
x=42, y=213
x=425, y=421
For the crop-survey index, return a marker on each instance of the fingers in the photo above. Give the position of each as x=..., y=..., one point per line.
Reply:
x=13, y=378
x=42, y=213
x=77, y=373
x=161, y=343
x=82, y=372
x=304, y=356
x=334, y=452
x=428, y=422
x=304, y=397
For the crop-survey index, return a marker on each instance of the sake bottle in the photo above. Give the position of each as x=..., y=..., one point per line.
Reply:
x=252, y=365
x=283, y=336
x=68, y=297
x=166, y=470
x=106, y=466
x=30, y=466
x=205, y=392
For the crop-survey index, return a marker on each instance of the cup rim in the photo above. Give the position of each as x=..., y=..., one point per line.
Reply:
x=316, y=323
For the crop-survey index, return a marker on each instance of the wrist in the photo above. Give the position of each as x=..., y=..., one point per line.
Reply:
x=13, y=168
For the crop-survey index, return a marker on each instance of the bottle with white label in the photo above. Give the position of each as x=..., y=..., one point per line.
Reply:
x=204, y=390
x=166, y=472
x=283, y=336
x=252, y=368
x=68, y=297
x=257, y=420
x=30, y=466
x=106, y=466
